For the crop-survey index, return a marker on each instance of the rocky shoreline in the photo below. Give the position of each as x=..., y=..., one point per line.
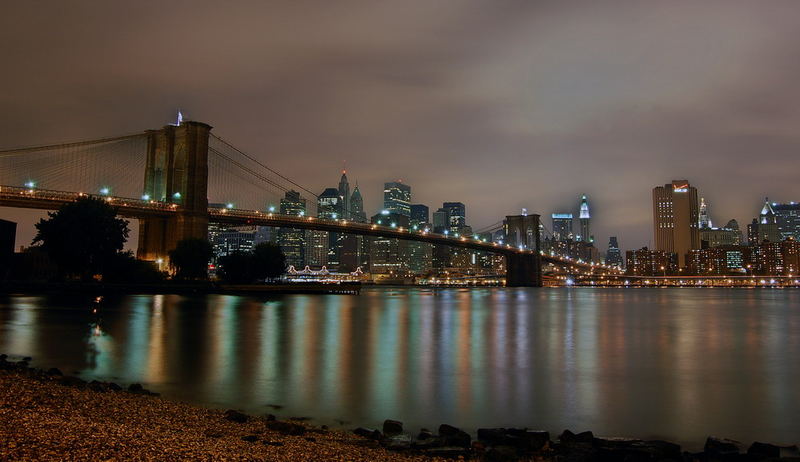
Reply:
x=45, y=415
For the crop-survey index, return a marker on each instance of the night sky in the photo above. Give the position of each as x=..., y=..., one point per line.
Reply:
x=498, y=104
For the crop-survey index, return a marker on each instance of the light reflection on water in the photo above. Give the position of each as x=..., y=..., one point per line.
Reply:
x=671, y=363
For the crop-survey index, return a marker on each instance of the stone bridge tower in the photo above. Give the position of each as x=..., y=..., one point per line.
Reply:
x=176, y=172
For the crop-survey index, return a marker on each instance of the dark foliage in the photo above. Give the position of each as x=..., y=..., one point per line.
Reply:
x=124, y=267
x=267, y=261
x=190, y=259
x=82, y=237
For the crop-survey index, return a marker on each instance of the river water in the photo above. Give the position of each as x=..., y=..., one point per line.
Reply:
x=669, y=363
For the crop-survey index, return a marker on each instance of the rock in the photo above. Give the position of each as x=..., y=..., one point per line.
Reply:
x=501, y=454
x=773, y=451
x=71, y=381
x=492, y=436
x=250, y=438
x=310, y=439
x=368, y=433
x=399, y=442
x=136, y=388
x=567, y=437
x=721, y=446
x=235, y=416
x=286, y=428
x=527, y=440
x=114, y=387
x=54, y=371
x=447, y=451
x=634, y=449
x=392, y=427
x=271, y=418
x=452, y=436
x=97, y=386
x=427, y=443
x=425, y=434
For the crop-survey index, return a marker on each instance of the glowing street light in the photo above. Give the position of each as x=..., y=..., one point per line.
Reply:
x=229, y=205
x=30, y=184
x=105, y=191
x=145, y=197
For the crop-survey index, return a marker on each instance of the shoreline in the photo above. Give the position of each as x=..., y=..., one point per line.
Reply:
x=45, y=415
x=178, y=288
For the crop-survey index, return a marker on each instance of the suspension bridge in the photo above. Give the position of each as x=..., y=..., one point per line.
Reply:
x=178, y=179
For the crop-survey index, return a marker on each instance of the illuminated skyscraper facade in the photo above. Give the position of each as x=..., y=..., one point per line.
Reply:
x=397, y=198
x=676, y=218
x=562, y=226
x=585, y=218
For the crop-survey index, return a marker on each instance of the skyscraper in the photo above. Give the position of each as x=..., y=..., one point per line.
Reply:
x=765, y=228
x=562, y=226
x=457, y=216
x=788, y=218
x=419, y=214
x=705, y=221
x=357, y=207
x=292, y=241
x=584, y=217
x=441, y=220
x=344, y=196
x=676, y=218
x=329, y=206
x=397, y=198
x=613, y=254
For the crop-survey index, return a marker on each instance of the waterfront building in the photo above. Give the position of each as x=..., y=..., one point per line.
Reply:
x=787, y=217
x=676, y=219
x=397, y=198
x=646, y=262
x=562, y=226
x=613, y=254
x=719, y=261
x=389, y=256
x=777, y=258
x=584, y=218
x=292, y=241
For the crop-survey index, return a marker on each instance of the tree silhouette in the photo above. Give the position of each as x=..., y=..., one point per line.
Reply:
x=269, y=262
x=82, y=236
x=190, y=258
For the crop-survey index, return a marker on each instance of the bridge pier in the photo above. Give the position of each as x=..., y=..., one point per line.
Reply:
x=523, y=270
x=176, y=171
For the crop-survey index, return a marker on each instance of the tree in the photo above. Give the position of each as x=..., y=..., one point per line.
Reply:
x=269, y=262
x=190, y=258
x=124, y=267
x=82, y=236
x=236, y=268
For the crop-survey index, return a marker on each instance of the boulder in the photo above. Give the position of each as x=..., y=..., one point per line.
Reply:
x=492, y=436
x=527, y=440
x=766, y=450
x=567, y=437
x=452, y=436
x=425, y=434
x=136, y=388
x=94, y=385
x=501, y=454
x=114, y=387
x=235, y=416
x=286, y=428
x=54, y=371
x=369, y=433
x=392, y=427
x=721, y=446
x=397, y=442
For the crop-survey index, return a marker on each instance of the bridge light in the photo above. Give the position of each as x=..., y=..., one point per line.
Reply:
x=105, y=191
x=177, y=195
x=335, y=216
x=302, y=213
x=30, y=184
x=384, y=212
x=145, y=197
x=446, y=232
x=229, y=205
x=394, y=225
x=271, y=208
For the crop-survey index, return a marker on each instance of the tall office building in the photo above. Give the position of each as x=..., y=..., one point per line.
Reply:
x=419, y=214
x=765, y=228
x=705, y=221
x=292, y=241
x=457, y=216
x=613, y=254
x=397, y=198
x=441, y=220
x=788, y=219
x=389, y=255
x=357, y=207
x=344, y=196
x=329, y=206
x=676, y=218
x=584, y=217
x=562, y=226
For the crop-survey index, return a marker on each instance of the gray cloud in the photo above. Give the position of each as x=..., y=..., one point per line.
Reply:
x=502, y=104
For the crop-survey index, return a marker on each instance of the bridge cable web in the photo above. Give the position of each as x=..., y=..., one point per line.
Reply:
x=112, y=166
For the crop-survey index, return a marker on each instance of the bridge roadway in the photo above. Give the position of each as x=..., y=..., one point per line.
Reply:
x=42, y=199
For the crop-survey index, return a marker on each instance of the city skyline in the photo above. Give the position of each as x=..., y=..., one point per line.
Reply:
x=694, y=88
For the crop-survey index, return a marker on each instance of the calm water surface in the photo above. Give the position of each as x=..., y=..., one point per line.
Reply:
x=669, y=363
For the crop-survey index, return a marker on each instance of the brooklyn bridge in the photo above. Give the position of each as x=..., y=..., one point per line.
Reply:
x=178, y=179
